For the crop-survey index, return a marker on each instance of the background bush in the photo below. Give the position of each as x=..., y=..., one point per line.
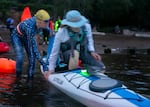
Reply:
x=101, y=13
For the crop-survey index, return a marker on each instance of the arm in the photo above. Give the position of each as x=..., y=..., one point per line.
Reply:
x=59, y=38
x=90, y=38
x=91, y=42
x=37, y=54
x=32, y=42
x=55, y=52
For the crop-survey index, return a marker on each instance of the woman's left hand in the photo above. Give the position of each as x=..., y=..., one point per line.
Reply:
x=96, y=56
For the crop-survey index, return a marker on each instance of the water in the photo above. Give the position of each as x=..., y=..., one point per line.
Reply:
x=132, y=70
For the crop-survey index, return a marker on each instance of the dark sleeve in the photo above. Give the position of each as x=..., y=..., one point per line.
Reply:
x=46, y=32
x=37, y=54
x=32, y=42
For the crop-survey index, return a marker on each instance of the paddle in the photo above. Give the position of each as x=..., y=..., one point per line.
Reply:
x=73, y=60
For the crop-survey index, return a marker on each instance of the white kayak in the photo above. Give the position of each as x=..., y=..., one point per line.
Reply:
x=96, y=90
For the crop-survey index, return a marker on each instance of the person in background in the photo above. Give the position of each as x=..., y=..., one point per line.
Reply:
x=10, y=21
x=51, y=24
x=15, y=14
x=10, y=24
x=117, y=29
x=74, y=39
x=57, y=24
x=46, y=33
x=24, y=35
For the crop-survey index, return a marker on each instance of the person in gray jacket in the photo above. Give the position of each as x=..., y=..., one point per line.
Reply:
x=74, y=36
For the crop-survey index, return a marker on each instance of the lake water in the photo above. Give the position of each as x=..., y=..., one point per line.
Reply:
x=132, y=70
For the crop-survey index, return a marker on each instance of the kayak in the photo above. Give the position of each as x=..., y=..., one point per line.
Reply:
x=7, y=66
x=96, y=90
x=4, y=47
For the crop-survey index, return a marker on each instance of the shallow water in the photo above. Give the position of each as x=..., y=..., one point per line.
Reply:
x=132, y=70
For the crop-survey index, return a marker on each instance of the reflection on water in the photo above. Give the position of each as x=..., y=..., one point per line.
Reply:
x=6, y=88
x=132, y=70
x=6, y=81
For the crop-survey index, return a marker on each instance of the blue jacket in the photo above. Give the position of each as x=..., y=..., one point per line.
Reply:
x=28, y=30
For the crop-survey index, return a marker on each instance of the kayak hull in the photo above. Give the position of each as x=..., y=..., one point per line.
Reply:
x=76, y=85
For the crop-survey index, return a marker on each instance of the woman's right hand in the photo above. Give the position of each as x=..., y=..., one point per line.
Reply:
x=47, y=74
x=96, y=56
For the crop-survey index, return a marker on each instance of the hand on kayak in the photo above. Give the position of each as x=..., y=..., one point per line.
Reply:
x=96, y=56
x=47, y=74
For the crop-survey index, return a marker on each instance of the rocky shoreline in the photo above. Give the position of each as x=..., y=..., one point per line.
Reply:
x=121, y=42
x=107, y=41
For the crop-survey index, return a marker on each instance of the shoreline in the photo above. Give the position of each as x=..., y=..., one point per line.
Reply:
x=104, y=41
x=121, y=42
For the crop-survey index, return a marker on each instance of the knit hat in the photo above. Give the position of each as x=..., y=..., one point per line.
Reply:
x=74, y=19
x=42, y=15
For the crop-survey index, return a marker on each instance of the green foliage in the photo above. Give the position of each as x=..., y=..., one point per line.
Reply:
x=101, y=13
x=34, y=6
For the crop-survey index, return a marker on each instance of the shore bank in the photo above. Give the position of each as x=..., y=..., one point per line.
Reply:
x=117, y=41
x=102, y=42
